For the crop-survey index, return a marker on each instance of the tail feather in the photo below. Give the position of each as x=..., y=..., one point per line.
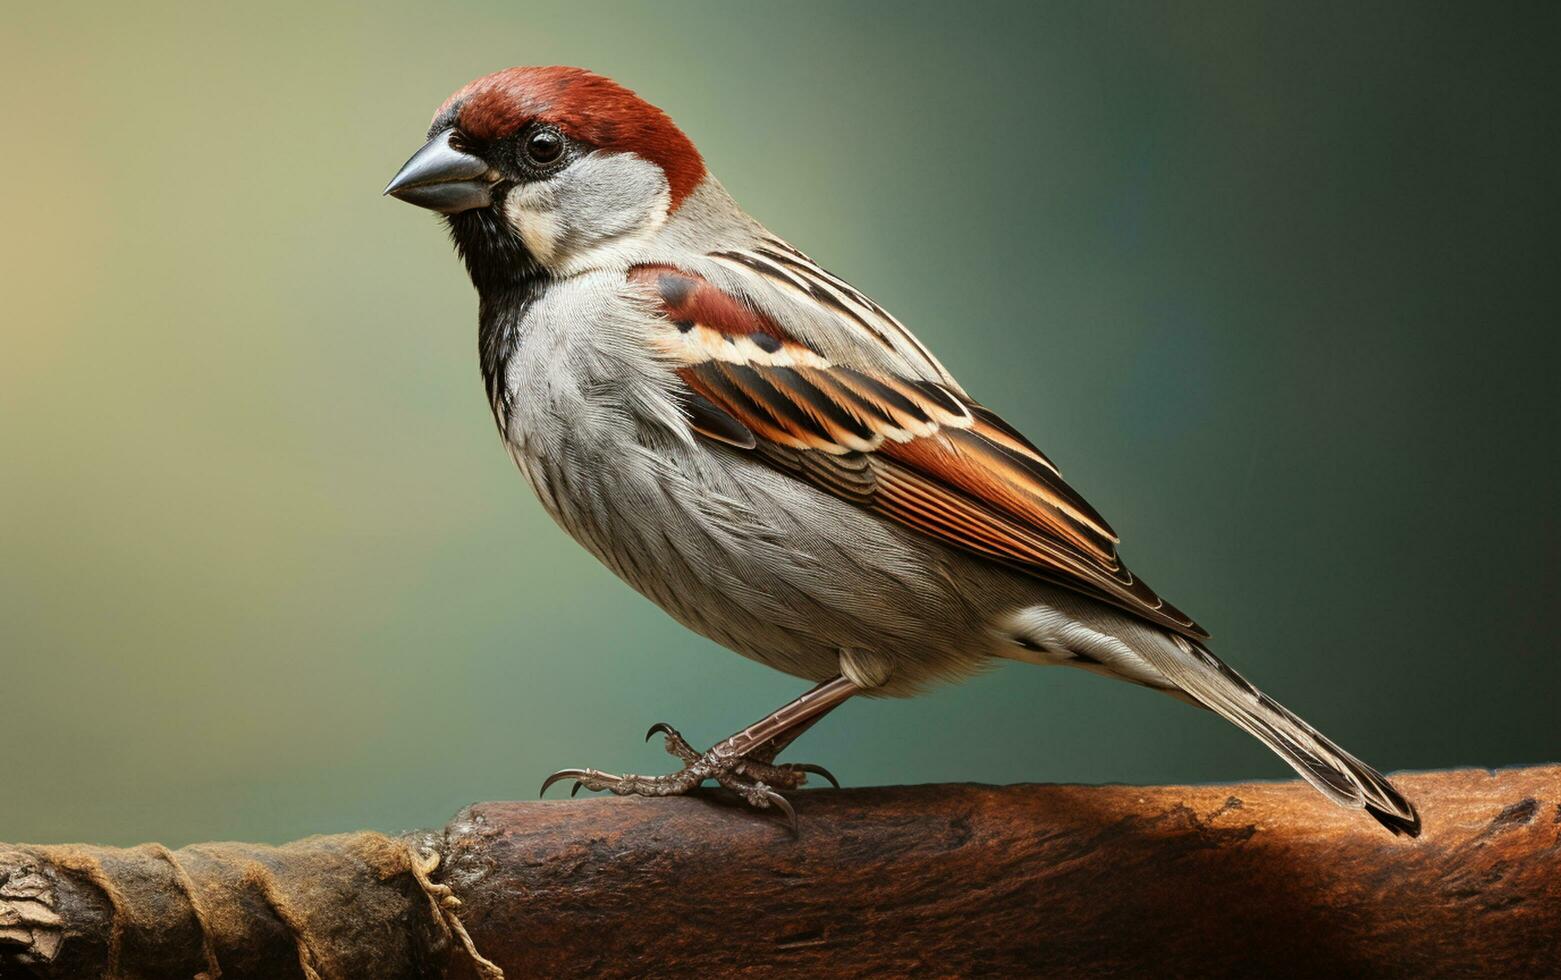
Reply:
x=1335, y=773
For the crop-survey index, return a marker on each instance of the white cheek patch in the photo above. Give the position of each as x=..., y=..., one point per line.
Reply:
x=592, y=213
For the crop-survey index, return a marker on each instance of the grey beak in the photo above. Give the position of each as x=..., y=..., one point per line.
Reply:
x=441, y=178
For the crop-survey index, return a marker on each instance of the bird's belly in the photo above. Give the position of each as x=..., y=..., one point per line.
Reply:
x=770, y=567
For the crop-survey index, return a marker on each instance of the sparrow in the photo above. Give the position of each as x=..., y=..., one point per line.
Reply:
x=771, y=457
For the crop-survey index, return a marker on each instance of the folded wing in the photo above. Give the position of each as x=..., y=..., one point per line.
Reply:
x=915, y=451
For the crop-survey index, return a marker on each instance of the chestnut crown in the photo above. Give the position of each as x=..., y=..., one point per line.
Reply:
x=582, y=106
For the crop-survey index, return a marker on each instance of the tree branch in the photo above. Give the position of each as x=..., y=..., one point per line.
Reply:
x=959, y=879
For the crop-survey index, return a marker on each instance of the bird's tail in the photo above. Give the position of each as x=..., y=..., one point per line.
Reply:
x=1335, y=773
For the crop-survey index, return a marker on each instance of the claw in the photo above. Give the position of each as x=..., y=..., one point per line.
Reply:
x=752, y=777
x=817, y=771
x=560, y=775
x=783, y=805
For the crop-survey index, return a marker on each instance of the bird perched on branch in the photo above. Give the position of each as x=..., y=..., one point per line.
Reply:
x=768, y=454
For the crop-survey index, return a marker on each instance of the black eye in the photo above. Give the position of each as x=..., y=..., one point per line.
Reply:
x=545, y=146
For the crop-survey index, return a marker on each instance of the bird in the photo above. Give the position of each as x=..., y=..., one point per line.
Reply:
x=769, y=455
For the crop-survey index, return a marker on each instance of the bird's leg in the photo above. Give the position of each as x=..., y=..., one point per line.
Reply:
x=760, y=763
x=743, y=763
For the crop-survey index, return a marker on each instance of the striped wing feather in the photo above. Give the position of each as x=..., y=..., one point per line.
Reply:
x=911, y=450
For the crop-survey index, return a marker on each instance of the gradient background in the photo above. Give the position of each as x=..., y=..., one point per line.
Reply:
x=1276, y=287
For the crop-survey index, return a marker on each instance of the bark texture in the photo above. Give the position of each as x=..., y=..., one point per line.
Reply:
x=1233, y=880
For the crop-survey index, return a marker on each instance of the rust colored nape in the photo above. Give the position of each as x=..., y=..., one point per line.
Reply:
x=957, y=880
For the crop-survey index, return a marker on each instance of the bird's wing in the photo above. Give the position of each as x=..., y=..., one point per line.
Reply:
x=917, y=451
x=836, y=319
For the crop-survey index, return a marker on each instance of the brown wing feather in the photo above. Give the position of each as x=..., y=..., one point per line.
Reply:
x=908, y=449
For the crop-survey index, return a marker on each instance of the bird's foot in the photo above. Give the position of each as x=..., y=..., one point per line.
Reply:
x=753, y=777
x=759, y=765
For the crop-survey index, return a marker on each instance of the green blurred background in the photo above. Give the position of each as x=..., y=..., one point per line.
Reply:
x=1275, y=283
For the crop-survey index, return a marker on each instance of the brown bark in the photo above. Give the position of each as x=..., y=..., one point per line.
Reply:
x=1234, y=880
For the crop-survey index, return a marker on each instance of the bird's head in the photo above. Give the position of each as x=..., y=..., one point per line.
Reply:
x=551, y=166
